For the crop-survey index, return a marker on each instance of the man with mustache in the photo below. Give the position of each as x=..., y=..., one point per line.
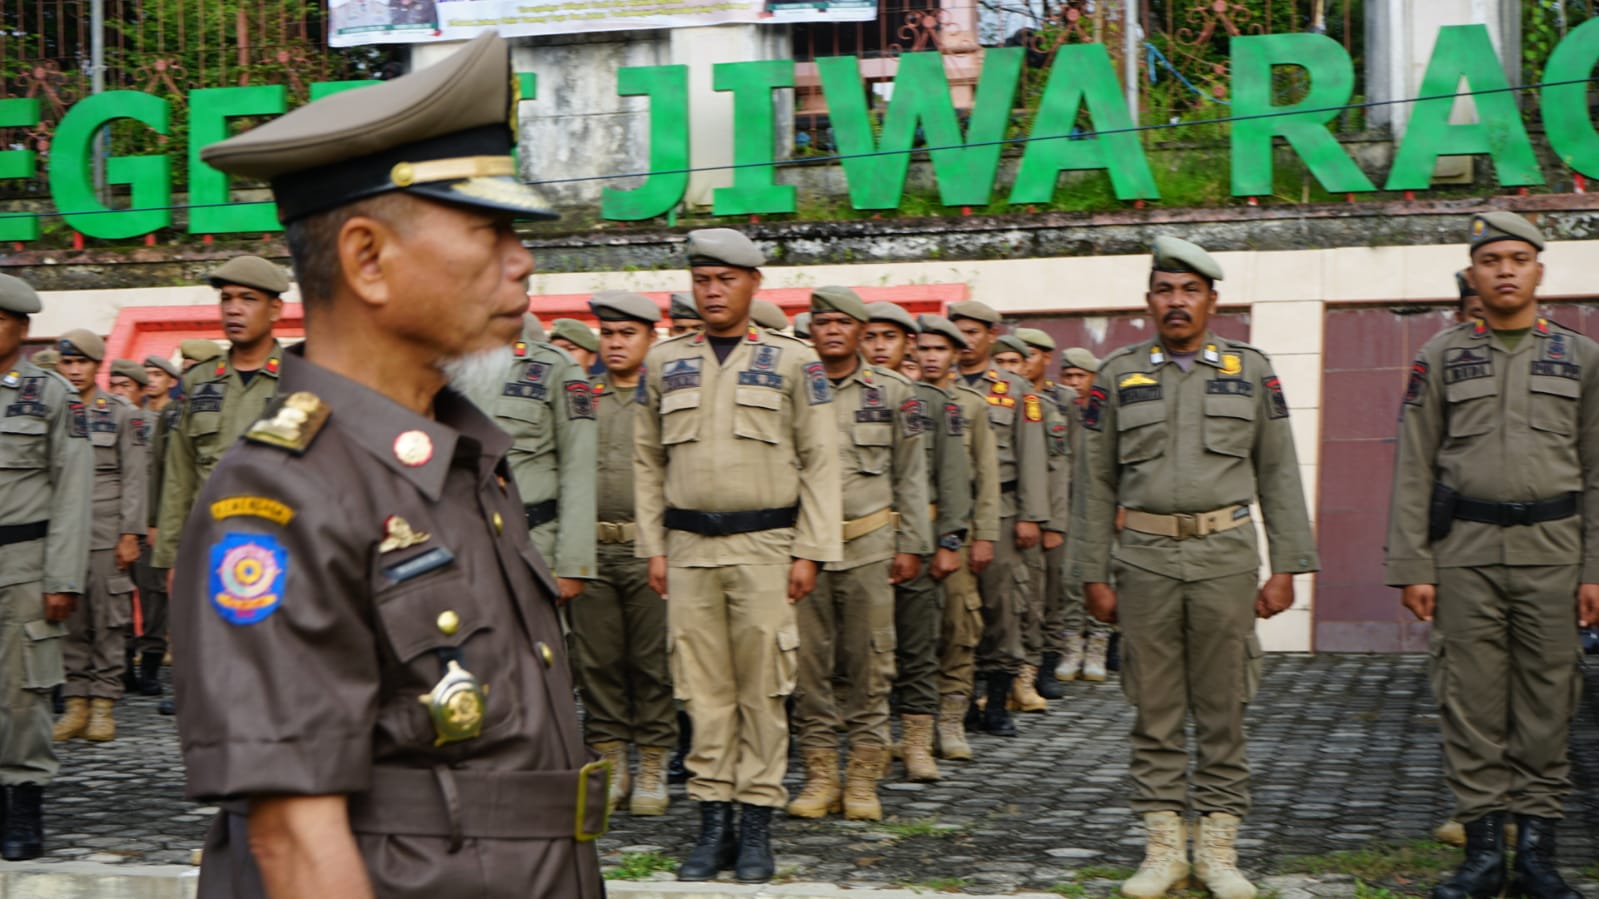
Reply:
x=1186, y=431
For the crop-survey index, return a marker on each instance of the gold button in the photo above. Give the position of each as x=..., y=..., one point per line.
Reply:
x=547, y=654
x=499, y=523
x=449, y=622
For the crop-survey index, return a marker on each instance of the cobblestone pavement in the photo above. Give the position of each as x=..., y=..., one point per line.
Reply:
x=1344, y=750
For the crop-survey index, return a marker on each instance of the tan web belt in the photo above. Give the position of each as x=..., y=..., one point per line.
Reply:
x=614, y=531
x=866, y=524
x=1184, y=525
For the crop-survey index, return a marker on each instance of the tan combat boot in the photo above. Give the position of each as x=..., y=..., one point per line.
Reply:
x=649, y=792
x=102, y=727
x=1216, y=857
x=1071, y=661
x=952, y=727
x=1165, y=865
x=72, y=721
x=1094, y=657
x=917, y=747
x=820, y=796
x=1451, y=832
x=1024, y=695
x=860, y=783
x=615, y=752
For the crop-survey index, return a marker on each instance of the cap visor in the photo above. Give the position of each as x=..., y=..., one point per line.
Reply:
x=496, y=194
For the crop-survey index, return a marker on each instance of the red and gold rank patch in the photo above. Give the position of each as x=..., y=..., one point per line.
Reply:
x=1032, y=407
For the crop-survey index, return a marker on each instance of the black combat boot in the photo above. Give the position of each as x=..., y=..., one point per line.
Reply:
x=1482, y=874
x=131, y=683
x=1047, y=684
x=150, y=674
x=24, y=833
x=677, y=771
x=996, y=720
x=1535, y=875
x=974, y=715
x=755, y=863
x=1113, y=652
x=716, y=847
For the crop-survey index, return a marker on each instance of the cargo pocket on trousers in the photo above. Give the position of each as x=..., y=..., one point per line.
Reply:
x=120, y=589
x=41, y=655
x=1254, y=664
x=884, y=642
x=1438, y=668
x=674, y=664
x=787, y=660
x=1129, y=673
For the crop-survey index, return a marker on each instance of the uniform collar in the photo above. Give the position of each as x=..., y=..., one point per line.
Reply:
x=272, y=367
x=753, y=335
x=1210, y=351
x=1540, y=328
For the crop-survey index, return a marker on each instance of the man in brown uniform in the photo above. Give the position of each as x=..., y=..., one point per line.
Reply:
x=619, y=623
x=97, y=631
x=847, y=623
x=376, y=686
x=1016, y=414
x=1186, y=431
x=1077, y=369
x=728, y=419
x=1489, y=539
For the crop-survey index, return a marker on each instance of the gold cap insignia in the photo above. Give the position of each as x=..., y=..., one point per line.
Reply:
x=397, y=534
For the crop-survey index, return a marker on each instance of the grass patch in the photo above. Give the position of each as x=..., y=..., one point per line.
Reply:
x=1103, y=872
x=1075, y=890
x=1591, y=872
x=935, y=885
x=640, y=865
x=1402, y=864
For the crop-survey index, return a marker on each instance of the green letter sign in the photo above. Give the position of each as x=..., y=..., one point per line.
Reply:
x=209, y=110
x=667, y=88
x=148, y=177
x=755, y=138
x=18, y=113
x=1565, y=106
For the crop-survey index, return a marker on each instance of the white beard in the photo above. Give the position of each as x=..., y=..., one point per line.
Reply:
x=480, y=375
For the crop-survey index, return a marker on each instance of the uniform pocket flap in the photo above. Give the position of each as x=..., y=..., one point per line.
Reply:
x=788, y=639
x=1242, y=407
x=759, y=397
x=873, y=435
x=1556, y=386
x=45, y=630
x=1139, y=414
x=416, y=618
x=22, y=424
x=522, y=409
x=678, y=400
x=884, y=640
x=1460, y=391
x=119, y=584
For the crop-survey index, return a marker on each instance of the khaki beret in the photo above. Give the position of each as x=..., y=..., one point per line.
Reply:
x=839, y=299
x=162, y=363
x=892, y=313
x=443, y=132
x=533, y=329
x=251, y=271
x=1036, y=339
x=1464, y=286
x=622, y=305
x=1488, y=227
x=975, y=310
x=1079, y=357
x=1009, y=343
x=575, y=331
x=722, y=246
x=938, y=324
x=768, y=315
x=683, y=307
x=81, y=342
x=17, y=295
x=199, y=350
x=131, y=370
x=1173, y=254
x=802, y=325
x=45, y=359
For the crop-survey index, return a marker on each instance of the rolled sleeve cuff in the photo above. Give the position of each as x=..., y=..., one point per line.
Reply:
x=318, y=766
x=62, y=585
x=816, y=552
x=1292, y=562
x=1404, y=572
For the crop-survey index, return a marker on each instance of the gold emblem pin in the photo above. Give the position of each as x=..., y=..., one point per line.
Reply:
x=413, y=448
x=397, y=534
x=449, y=622
x=456, y=705
x=499, y=523
x=547, y=654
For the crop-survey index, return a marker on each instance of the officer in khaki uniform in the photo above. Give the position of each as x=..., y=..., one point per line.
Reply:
x=547, y=408
x=768, y=315
x=576, y=340
x=684, y=316
x=221, y=399
x=619, y=623
x=1185, y=431
x=127, y=380
x=847, y=623
x=197, y=350
x=1490, y=538
x=919, y=602
x=1045, y=637
x=46, y=494
x=1079, y=658
x=372, y=678
x=727, y=421
x=161, y=414
x=1016, y=414
x=97, y=631
x=938, y=347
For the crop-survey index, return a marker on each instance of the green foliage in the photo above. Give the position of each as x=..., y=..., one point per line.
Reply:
x=1422, y=860
x=1103, y=872
x=935, y=885
x=1543, y=24
x=1074, y=890
x=641, y=865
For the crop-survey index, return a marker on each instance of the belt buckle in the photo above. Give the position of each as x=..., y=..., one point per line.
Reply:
x=1187, y=525
x=607, y=532
x=585, y=836
x=1516, y=513
x=715, y=524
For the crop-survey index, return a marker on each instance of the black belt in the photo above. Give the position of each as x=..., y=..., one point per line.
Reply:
x=22, y=533
x=496, y=805
x=1507, y=514
x=540, y=513
x=723, y=524
x=1007, y=487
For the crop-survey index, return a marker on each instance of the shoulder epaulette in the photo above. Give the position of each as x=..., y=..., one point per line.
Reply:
x=892, y=375
x=292, y=423
x=1123, y=351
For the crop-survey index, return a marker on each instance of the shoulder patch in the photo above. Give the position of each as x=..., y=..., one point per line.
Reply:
x=252, y=506
x=913, y=417
x=1278, y=404
x=953, y=424
x=247, y=576
x=1093, y=410
x=293, y=424
x=141, y=430
x=817, y=390
x=579, y=400
x=1416, y=389
x=1033, y=407
x=80, y=418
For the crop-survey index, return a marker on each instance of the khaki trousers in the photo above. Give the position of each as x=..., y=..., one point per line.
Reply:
x=961, y=631
x=847, y=622
x=918, y=615
x=1506, y=674
x=1054, y=613
x=619, y=653
x=97, y=631
x=734, y=651
x=1005, y=586
x=1188, y=648
x=1037, y=597
x=30, y=667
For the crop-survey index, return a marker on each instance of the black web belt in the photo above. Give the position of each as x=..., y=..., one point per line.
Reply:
x=1508, y=514
x=22, y=533
x=540, y=513
x=1007, y=487
x=723, y=524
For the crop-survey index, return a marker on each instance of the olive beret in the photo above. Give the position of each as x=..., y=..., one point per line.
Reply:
x=130, y=370
x=199, y=350
x=1464, y=286
x=443, y=132
x=162, y=363
x=722, y=246
x=251, y=271
x=575, y=331
x=16, y=295
x=81, y=342
x=1488, y=227
x=1079, y=357
x=1036, y=339
x=1009, y=342
x=975, y=310
x=802, y=325
x=622, y=305
x=892, y=313
x=45, y=359
x=533, y=329
x=1173, y=254
x=839, y=299
x=768, y=315
x=938, y=324
x=683, y=307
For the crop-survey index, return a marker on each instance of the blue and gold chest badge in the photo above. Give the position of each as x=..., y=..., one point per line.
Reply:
x=248, y=572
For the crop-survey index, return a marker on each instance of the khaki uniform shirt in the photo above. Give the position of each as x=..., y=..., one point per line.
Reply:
x=613, y=411
x=1499, y=425
x=159, y=424
x=754, y=432
x=949, y=474
x=882, y=465
x=548, y=409
x=325, y=588
x=217, y=408
x=1057, y=429
x=1016, y=414
x=121, y=463
x=977, y=436
x=1161, y=440
x=46, y=474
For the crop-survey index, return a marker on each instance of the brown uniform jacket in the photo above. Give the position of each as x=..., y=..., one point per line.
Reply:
x=881, y=428
x=308, y=637
x=977, y=435
x=1161, y=440
x=121, y=463
x=1498, y=425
